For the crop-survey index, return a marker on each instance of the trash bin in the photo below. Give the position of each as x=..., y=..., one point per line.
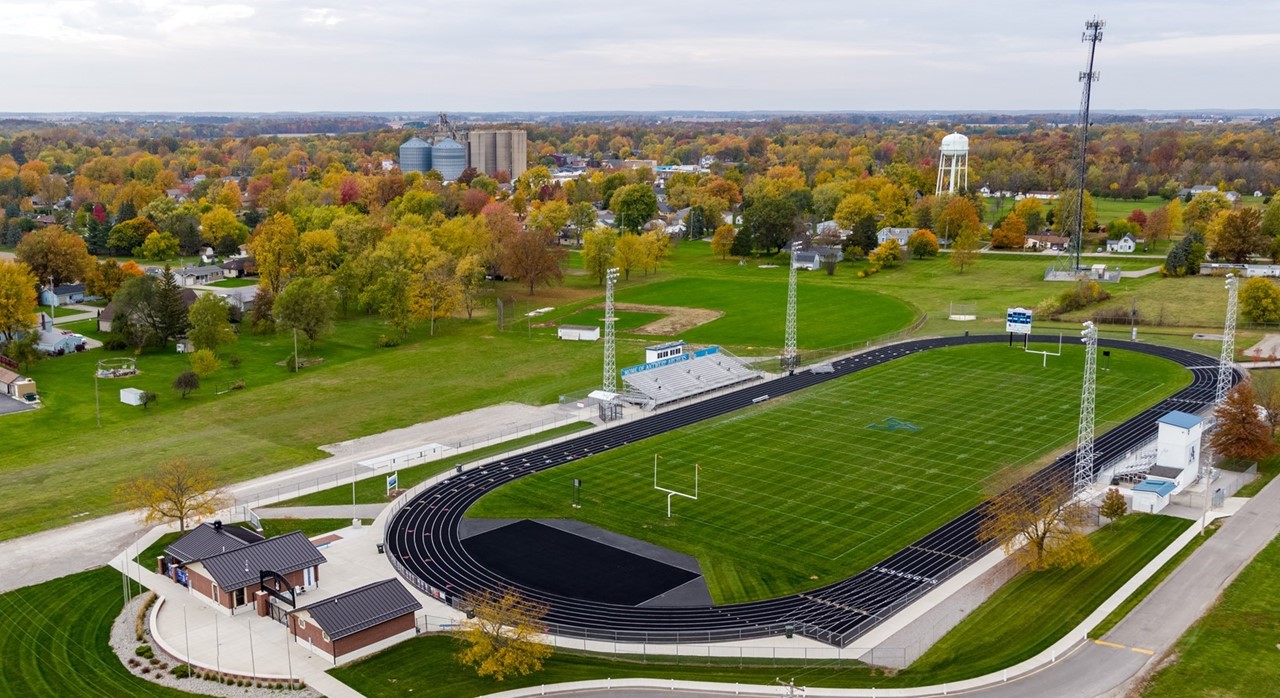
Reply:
x=381, y=550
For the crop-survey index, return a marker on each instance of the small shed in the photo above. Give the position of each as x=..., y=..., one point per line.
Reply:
x=1150, y=496
x=357, y=621
x=131, y=396
x=587, y=333
x=15, y=385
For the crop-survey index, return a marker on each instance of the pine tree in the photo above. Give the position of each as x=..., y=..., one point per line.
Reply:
x=170, y=308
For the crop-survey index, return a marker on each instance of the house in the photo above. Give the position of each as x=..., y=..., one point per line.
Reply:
x=15, y=385
x=239, y=267
x=830, y=230
x=1128, y=243
x=240, y=297
x=55, y=342
x=1197, y=189
x=66, y=294
x=225, y=567
x=1046, y=242
x=813, y=258
x=899, y=234
x=370, y=617
x=177, y=195
x=198, y=276
x=45, y=220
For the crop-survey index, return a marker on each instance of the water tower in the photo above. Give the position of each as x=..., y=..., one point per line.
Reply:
x=953, y=166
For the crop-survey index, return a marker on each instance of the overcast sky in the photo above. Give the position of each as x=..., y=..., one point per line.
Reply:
x=566, y=55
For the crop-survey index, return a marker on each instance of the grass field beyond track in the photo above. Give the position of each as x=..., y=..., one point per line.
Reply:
x=802, y=491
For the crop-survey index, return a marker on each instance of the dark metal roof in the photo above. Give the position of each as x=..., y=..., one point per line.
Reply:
x=1164, y=471
x=206, y=541
x=359, y=609
x=237, y=569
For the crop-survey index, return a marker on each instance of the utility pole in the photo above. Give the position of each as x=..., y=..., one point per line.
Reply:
x=1084, y=441
x=790, y=359
x=1092, y=35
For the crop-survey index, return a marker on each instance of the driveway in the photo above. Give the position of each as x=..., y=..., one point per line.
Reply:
x=10, y=406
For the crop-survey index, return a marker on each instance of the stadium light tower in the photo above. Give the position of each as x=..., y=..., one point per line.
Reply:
x=610, y=382
x=791, y=359
x=1084, y=442
x=1226, y=368
x=1092, y=35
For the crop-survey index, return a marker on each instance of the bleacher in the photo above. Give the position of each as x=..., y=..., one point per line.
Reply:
x=677, y=381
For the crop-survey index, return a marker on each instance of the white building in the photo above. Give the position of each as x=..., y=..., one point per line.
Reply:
x=1177, y=461
x=588, y=333
x=899, y=234
x=1128, y=243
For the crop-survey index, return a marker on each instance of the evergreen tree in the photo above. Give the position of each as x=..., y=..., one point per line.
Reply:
x=170, y=308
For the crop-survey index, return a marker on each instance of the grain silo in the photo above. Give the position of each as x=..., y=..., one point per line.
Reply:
x=415, y=155
x=449, y=158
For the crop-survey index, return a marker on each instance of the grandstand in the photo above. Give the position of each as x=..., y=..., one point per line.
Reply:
x=683, y=376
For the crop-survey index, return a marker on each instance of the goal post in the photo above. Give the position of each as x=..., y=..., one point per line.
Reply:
x=697, y=468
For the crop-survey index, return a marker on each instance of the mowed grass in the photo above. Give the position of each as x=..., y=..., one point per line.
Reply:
x=755, y=309
x=628, y=320
x=1036, y=609
x=1231, y=651
x=53, y=640
x=800, y=492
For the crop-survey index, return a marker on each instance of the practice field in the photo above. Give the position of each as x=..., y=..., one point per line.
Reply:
x=812, y=488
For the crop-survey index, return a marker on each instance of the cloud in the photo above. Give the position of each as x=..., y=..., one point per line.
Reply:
x=181, y=16
x=322, y=15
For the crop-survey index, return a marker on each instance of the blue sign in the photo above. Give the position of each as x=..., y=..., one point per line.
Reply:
x=630, y=370
x=392, y=480
x=1018, y=321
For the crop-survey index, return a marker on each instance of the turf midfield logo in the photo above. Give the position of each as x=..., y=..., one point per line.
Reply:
x=893, y=424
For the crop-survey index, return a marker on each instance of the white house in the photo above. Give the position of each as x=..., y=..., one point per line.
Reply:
x=812, y=258
x=899, y=234
x=586, y=333
x=198, y=276
x=1128, y=243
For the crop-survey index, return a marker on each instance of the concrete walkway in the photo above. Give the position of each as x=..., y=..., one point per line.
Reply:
x=336, y=511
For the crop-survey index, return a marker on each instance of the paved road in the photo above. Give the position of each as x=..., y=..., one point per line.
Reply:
x=1140, y=640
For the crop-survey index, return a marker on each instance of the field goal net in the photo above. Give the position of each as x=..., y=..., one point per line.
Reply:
x=963, y=312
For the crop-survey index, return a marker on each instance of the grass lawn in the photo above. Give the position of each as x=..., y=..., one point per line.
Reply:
x=1034, y=610
x=374, y=490
x=309, y=527
x=234, y=283
x=628, y=320
x=799, y=492
x=1231, y=651
x=53, y=641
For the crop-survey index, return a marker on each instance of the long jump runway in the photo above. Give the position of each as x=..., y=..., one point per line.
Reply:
x=424, y=544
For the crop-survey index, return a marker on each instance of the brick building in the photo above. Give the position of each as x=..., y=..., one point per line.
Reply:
x=375, y=614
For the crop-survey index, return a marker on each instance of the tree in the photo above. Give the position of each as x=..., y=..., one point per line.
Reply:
x=1237, y=235
x=657, y=249
x=722, y=240
x=176, y=490
x=634, y=205
x=17, y=301
x=1202, y=209
x=888, y=254
x=1271, y=219
x=307, y=306
x=186, y=382
x=1031, y=211
x=628, y=253
x=598, y=250
x=210, y=323
x=319, y=253
x=274, y=246
x=583, y=216
x=499, y=634
x=965, y=250
x=531, y=256
x=551, y=216
x=854, y=208
x=170, y=309
x=1157, y=226
x=130, y=235
x=1260, y=300
x=1010, y=235
x=150, y=310
x=1266, y=390
x=470, y=278
x=1239, y=432
x=1064, y=212
x=159, y=246
x=769, y=222
x=203, y=362
x=922, y=243
x=55, y=255
x=220, y=224
x=1113, y=506
x=1040, y=527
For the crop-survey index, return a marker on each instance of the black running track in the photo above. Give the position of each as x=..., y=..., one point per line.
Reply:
x=423, y=543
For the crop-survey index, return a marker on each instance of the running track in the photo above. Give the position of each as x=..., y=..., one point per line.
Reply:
x=423, y=543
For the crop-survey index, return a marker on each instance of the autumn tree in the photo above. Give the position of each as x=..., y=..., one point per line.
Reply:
x=628, y=254
x=1266, y=391
x=159, y=246
x=1271, y=219
x=965, y=250
x=722, y=240
x=319, y=253
x=922, y=243
x=186, y=382
x=107, y=277
x=550, y=217
x=1066, y=210
x=1010, y=235
x=174, y=491
x=1040, y=527
x=657, y=249
x=210, y=319
x=130, y=235
x=305, y=305
x=469, y=273
x=220, y=227
x=598, y=248
x=274, y=246
x=1239, y=432
x=769, y=222
x=499, y=634
x=1202, y=209
x=532, y=257
x=583, y=216
x=888, y=254
x=634, y=205
x=55, y=255
x=17, y=301
x=1157, y=226
x=1113, y=506
x=1237, y=235
x=1031, y=211
x=1260, y=300
x=203, y=362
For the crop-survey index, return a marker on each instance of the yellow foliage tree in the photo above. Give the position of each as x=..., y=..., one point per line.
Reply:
x=1040, y=527
x=175, y=491
x=722, y=240
x=498, y=635
x=17, y=300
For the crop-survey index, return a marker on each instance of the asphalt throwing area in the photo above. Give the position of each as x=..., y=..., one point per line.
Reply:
x=531, y=553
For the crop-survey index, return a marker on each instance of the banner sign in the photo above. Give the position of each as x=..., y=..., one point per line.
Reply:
x=669, y=361
x=392, y=480
x=1018, y=321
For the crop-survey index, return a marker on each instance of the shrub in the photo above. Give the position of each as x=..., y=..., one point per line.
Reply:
x=140, y=623
x=386, y=341
x=143, y=651
x=238, y=385
x=234, y=361
x=181, y=671
x=146, y=670
x=154, y=660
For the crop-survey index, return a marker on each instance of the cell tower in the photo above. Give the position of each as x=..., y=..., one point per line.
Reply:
x=1084, y=442
x=610, y=382
x=953, y=164
x=790, y=359
x=1227, y=359
x=1092, y=35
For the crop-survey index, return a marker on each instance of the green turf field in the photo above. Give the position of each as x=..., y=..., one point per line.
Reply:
x=804, y=490
x=53, y=640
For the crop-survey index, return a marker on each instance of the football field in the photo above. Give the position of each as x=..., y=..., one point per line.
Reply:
x=805, y=490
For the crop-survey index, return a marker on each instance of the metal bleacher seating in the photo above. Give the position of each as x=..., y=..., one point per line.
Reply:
x=678, y=381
